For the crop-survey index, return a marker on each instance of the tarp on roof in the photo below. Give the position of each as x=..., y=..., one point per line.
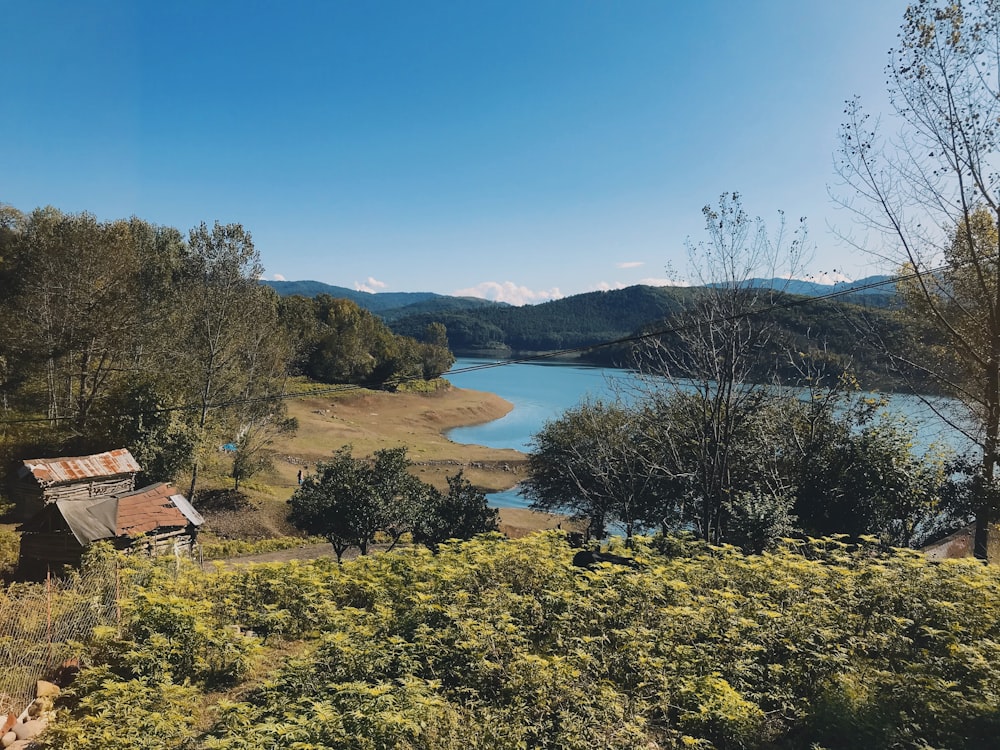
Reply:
x=129, y=514
x=90, y=520
x=50, y=471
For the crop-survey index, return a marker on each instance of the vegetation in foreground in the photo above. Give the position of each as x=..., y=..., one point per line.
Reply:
x=504, y=644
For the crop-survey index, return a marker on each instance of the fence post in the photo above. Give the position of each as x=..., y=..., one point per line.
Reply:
x=48, y=615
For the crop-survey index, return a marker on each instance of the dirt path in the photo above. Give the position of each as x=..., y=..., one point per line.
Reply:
x=514, y=522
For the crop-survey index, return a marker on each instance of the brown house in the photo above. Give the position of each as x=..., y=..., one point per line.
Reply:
x=154, y=520
x=41, y=481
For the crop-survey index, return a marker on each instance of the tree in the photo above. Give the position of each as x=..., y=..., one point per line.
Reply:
x=137, y=416
x=353, y=345
x=399, y=494
x=931, y=200
x=435, y=356
x=461, y=513
x=336, y=503
x=72, y=291
x=712, y=377
x=856, y=472
x=230, y=338
x=724, y=462
x=253, y=441
x=348, y=500
x=596, y=460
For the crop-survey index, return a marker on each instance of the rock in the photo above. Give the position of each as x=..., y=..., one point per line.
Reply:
x=39, y=706
x=28, y=730
x=8, y=739
x=21, y=745
x=45, y=689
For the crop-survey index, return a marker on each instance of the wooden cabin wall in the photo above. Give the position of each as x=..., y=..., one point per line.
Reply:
x=41, y=550
x=30, y=497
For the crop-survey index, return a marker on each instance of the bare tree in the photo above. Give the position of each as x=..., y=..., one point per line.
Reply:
x=710, y=377
x=929, y=202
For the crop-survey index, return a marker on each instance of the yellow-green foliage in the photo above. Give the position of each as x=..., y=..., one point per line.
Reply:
x=501, y=644
x=10, y=544
x=115, y=714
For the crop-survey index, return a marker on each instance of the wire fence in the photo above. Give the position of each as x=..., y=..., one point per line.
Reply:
x=42, y=625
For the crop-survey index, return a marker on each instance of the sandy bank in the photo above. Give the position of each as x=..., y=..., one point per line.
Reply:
x=370, y=420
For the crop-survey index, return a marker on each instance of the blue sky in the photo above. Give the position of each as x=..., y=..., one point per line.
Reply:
x=514, y=150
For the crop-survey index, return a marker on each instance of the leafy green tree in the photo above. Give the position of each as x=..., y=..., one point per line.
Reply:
x=435, y=356
x=348, y=500
x=597, y=461
x=399, y=495
x=856, y=472
x=231, y=341
x=931, y=194
x=353, y=345
x=337, y=503
x=72, y=293
x=139, y=417
x=460, y=513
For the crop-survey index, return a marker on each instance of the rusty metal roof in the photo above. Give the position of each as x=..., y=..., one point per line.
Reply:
x=148, y=509
x=51, y=471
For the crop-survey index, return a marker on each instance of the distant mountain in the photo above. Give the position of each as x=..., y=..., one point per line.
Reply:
x=388, y=305
x=394, y=306
x=376, y=303
x=870, y=285
x=579, y=320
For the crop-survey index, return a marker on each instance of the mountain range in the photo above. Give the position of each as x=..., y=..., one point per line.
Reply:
x=871, y=287
x=831, y=332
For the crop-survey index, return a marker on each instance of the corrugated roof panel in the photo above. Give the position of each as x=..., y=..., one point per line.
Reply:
x=130, y=514
x=49, y=471
x=187, y=509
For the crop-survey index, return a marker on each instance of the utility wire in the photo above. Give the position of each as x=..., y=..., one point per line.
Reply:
x=348, y=387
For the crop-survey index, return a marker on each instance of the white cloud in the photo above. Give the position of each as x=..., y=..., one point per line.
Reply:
x=279, y=277
x=630, y=264
x=827, y=277
x=664, y=282
x=370, y=285
x=509, y=292
x=604, y=286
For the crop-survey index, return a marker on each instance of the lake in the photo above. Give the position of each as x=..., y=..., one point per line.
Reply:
x=541, y=391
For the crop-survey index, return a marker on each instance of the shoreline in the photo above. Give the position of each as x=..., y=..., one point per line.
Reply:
x=372, y=420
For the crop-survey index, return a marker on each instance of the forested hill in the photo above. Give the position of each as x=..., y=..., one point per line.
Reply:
x=380, y=303
x=826, y=332
x=580, y=320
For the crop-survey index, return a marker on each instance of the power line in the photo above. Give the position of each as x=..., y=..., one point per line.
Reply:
x=636, y=338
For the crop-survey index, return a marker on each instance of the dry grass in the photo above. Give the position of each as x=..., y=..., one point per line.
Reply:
x=369, y=421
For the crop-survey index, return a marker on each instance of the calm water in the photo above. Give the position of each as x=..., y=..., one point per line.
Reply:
x=543, y=391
